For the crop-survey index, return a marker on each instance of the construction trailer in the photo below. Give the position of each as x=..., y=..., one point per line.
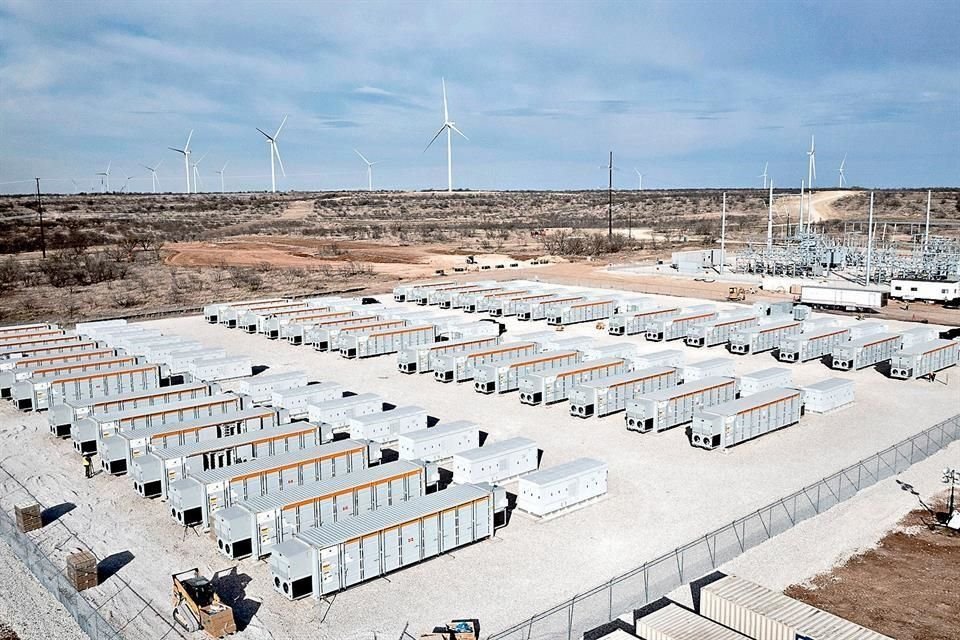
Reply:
x=230, y=317
x=63, y=417
x=295, y=329
x=328, y=338
x=635, y=322
x=37, y=337
x=585, y=311
x=554, y=385
x=706, y=368
x=9, y=356
x=26, y=368
x=865, y=352
x=279, y=326
x=382, y=342
x=925, y=359
x=765, y=614
x=421, y=358
x=194, y=500
x=603, y=396
x=251, y=528
x=842, y=297
x=118, y=451
x=460, y=365
x=218, y=369
x=540, y=309
x=503, y=377
x=42, y=393
x=325, y=560
x=563, y=487
x=918, y=335
x=502, y=307
x=763, y=337
x=828, y=395
x=339, y=411
x=497, y=462
x=440, y=442
x=718, y=330
x=661, y=410
x=678, y=326
x=594, y=351
x=868, y=328
x=260, y=388
x=925, y=290
x=297, y=400
x=385, y=426
x=455, y=299
x=212, y=313
x=812, y=345
x=180, y=361
x=157, y=469
x=725, y=425
x=665, y=358
x=673, y=622
x=764, y=380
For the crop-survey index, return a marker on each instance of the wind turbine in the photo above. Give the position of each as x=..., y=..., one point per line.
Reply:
x=107, y=175
x=369, y=170
x=811, y=164
x=153, y=173
x=764, y=175
x=125, y=182
x=186, y=158
x=448, y=125
x=196, y=172
x=274, y=152
x=843, y=178
x=222, y=169
x=640, y=175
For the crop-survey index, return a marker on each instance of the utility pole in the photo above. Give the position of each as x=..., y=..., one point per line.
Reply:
x=926, y=232
x=723, y=233
x=610, y=198
x=43, y=240
x=770, y=220
x=800, y=227
x=870, y=238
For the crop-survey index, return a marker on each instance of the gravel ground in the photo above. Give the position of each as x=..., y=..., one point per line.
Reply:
x=662, y=491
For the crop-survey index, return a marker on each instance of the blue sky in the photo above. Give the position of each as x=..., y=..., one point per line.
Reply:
x=694, y=94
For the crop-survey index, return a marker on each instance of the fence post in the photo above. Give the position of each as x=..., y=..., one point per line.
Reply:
x=570, y=619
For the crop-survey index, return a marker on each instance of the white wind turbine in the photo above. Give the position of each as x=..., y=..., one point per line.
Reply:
x=186, y=158
x=448, y=125
x=764, y=175
x=196, y=172
x=153, y=173
x=843, y=177
x=274, y=153
x=639, y=175
x=811, y=164
x=369, y=169
x=222, y=169
x=126, y=182
x=106, y=174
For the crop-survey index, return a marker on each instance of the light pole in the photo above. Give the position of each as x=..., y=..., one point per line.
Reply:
x=952, y=478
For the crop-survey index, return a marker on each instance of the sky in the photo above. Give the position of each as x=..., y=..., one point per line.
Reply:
x=691, y=94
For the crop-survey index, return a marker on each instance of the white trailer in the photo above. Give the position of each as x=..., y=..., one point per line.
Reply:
x=385, y=426
x=929, y=290
x=459, y=366
x=603, y=396
x=718, y=330
x=554, y=385
x=585, y=311
x=42, y=393
x=539, y=309
x=421, y=358
x=496, y=462
x=731, y=423
x=635, y=322
x=216, y=369
x=195, y=500
x=665, y=358
x=251, y=528
x=710, y=367
x=297, y=400
x=828, y=395
x=440, y=442
x=842, y=297
x=925, y=359
x=338, y=412
x=328, y=338
x=763, y=337
x=865, y=352
x=561, y=488
x=678, y=326
x=674, y=622
x=503, y=377
x=378, y=343
x=668, y=408
x=260, y=388
x=812, y=345
x=180, y=361
x=764, y=380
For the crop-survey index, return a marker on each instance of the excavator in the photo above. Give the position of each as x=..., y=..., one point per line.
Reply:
x=196, y=605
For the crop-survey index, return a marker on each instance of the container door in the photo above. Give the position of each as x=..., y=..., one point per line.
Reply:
x=370, y=550
x=431, y=536
x=290, y=477
x=448, y=530
x=289, y=523
x=363, y=500
x=383, y=495
x=326, y=509
x=350, y=563
x=330, y=570
x=410, y=543
x=482, y=523
x=391, y=549
x=465, y=524
x=396, y=491
x=270, y=484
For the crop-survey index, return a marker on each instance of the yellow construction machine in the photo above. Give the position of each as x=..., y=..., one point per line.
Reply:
x=736, y=294
x=196, y=605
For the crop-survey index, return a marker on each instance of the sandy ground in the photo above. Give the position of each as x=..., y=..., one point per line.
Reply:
x=656, y=483
x=820, y=205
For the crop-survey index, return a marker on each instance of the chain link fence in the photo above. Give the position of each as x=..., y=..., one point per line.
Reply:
x=653, y=580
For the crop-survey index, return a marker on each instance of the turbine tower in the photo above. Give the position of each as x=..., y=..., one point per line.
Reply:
x=450, y=126
x=186, y=158
x=153, y=173
x=196, y=172
x=811, y=165
x=369, y=170
x=764, y=175
x=843, y=177
x=639, y=175
x=107, y=175
x=274, y=153
x=222, y=169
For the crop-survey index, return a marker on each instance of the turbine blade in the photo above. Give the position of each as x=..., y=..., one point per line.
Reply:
x=265, y=135
x=277, y=134
x=157, y=166
x=186, y=147
x=446, y=116
x=361, y=156
x=224, y=166
x=201, y=159
x=177, y=150
x=146, y=167
x=454, y=127
x=435, y=138
x=276, y=150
